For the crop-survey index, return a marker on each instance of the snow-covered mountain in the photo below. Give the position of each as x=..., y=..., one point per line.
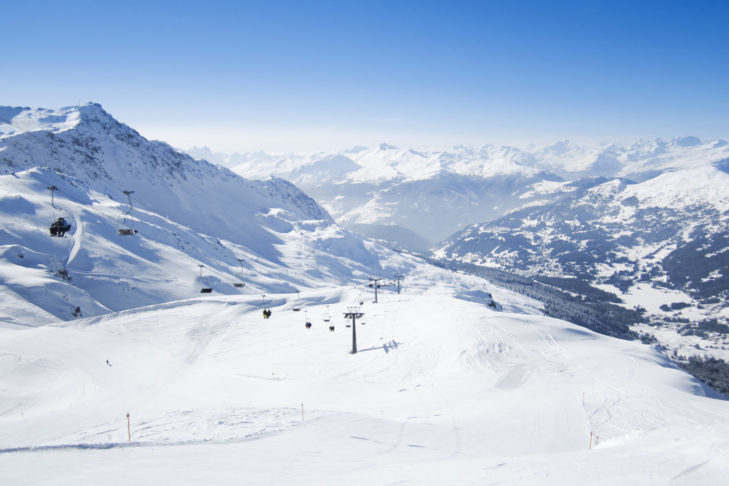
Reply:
x=661, y=245
x=151, y=383
x=385, y=186
x=642, y=225
x=267, y=235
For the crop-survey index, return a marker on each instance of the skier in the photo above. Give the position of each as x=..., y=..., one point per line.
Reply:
x=59, y=227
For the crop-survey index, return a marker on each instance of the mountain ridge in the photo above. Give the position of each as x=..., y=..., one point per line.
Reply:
x=197, y=224
x=365, y=186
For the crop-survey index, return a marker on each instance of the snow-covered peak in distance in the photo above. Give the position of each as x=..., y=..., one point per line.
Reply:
x=639, y=160
x=393, y=186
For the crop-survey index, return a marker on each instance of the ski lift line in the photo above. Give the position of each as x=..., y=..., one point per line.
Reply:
x=61, y=191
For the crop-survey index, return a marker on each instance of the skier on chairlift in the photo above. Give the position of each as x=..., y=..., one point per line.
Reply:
x=59, y=227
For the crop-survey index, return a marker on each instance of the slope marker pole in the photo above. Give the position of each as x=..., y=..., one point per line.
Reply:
x=129, y=429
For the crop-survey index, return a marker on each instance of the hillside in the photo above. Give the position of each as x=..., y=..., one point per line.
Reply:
x=267, y=235
x=443, y=390
x=116, y=369
x=659, y=245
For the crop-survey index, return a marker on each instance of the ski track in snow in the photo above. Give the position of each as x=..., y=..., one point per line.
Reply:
x=77, y=237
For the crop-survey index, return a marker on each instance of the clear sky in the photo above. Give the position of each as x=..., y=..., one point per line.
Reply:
x=322, y=75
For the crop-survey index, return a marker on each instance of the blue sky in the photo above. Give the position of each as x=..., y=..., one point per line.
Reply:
x=297, y=75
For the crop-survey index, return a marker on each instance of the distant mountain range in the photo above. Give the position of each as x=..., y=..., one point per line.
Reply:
x=644, y=226
x=386, y=186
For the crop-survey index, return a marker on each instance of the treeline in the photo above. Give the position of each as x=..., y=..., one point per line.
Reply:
x=712, y=371
x=595, y=312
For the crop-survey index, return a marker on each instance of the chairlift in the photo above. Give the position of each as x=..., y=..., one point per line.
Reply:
x=205, y=289
x=327, y=316
x=239, y=284
x=60, y=226
x=308, y=322
x=125, y=222
x=297, y=306
x=266, y=311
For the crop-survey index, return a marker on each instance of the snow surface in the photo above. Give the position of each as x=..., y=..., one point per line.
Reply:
x=442, y=390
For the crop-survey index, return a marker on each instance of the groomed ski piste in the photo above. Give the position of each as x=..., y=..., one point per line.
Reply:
x=443, y=390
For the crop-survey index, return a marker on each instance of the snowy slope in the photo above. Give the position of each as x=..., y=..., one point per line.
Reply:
x=444, y=390
x=267, y=234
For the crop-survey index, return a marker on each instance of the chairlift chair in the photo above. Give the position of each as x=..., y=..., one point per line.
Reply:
x=205, y=289
x=308, y=322
x=123, y=227
x=296, y=307
x=239, y=284
x=327, y=317
x=60, y=226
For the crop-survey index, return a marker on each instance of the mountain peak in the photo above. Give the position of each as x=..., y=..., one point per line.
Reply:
x=688, y=141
